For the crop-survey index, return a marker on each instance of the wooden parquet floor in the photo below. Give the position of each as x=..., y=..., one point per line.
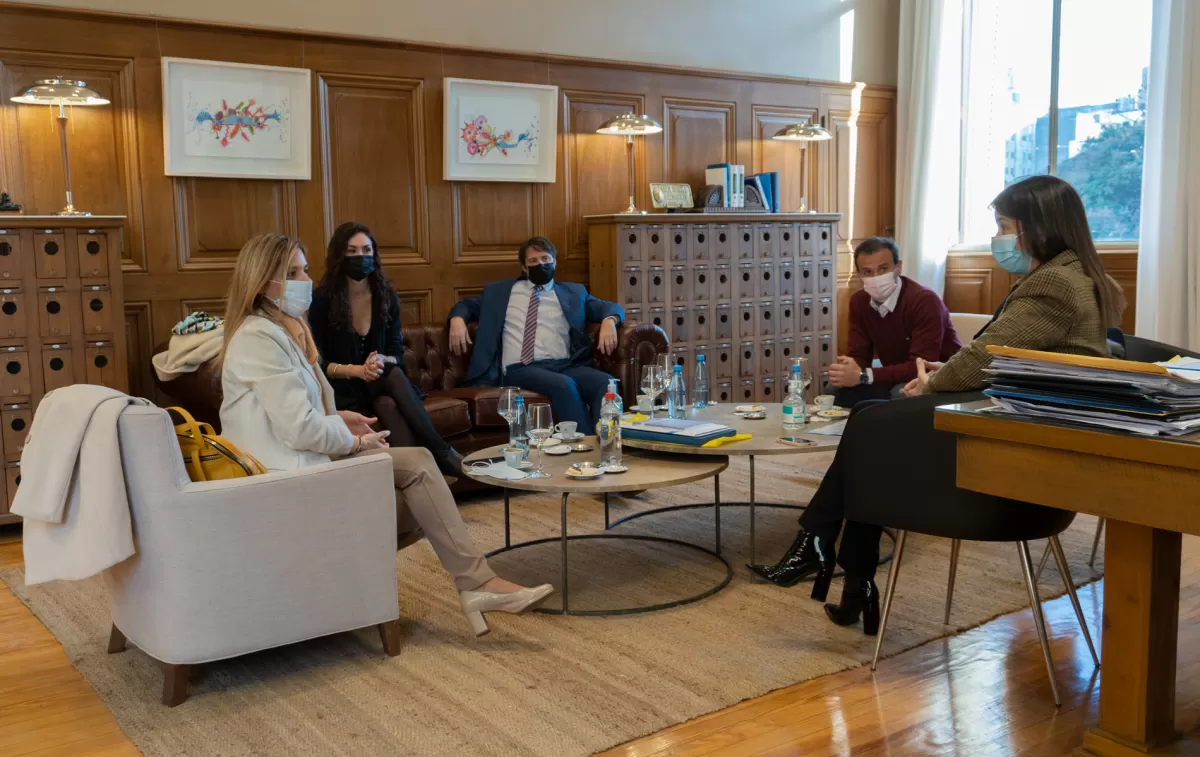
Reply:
x=981, y=693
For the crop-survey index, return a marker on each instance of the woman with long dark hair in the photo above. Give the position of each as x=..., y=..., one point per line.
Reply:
x=355, y=321
x=1065, y=303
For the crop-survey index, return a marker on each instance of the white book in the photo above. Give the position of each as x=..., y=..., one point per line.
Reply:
x=739, y=186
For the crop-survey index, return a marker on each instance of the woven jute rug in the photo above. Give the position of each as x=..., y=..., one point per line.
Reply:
x=546, y=685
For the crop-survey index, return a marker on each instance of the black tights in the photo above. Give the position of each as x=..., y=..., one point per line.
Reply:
x=398, y=405
x=858, y=554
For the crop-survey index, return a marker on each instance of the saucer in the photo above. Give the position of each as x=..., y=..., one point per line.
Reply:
x=523, y=465
x=568, y=437
x=834, y=413
x=750, y=408
x=581, y=447
x=615, y=468
x=582, y=473
x=558, y=449
x=754, y=416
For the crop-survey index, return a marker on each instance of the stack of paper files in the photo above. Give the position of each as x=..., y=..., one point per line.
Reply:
x=1145, y=398
x=675, y=431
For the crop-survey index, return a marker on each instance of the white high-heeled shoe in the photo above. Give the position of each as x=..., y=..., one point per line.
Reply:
x=476, y=603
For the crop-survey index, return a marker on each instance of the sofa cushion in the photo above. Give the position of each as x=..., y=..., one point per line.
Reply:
x=450, y=416
x=483, y=401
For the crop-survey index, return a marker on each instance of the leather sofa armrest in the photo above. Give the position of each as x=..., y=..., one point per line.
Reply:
x=637, y=345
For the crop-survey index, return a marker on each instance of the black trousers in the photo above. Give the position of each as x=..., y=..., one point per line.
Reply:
x=858, y=553
x=850, y=396
x=397, y=404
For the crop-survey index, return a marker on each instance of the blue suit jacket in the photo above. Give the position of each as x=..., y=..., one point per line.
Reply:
x=490, y=308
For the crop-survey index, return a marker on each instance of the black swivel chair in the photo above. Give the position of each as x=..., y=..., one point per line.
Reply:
x=930, y=502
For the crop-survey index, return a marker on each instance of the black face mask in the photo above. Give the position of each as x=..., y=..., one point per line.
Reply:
x=541, y=275
x=358, y=267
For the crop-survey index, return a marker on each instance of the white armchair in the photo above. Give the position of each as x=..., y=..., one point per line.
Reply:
x=224, y=568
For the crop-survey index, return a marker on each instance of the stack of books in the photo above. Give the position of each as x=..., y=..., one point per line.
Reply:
x=692, y=433
x=1160, y=399
x=732, y=180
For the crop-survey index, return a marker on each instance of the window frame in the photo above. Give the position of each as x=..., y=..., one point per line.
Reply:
x=1114, y=245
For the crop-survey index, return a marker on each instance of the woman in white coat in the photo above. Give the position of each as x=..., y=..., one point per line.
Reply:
x=279, y=407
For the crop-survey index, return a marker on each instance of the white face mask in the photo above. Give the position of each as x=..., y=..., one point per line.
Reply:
x=882, y=286
x=296, y=299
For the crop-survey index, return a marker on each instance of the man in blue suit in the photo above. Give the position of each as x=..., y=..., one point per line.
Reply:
x=533, y=334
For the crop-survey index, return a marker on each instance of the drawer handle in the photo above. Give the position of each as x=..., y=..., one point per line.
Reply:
x=13, y=368
x=51, y=248
x=93, y=247
x=100, y=361
x=56, y=364
x=18, y=424
x=52, y=307
x=96, y=305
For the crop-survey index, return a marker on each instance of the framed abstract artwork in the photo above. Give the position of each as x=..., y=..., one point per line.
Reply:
x=236, y=120
x=499, y=131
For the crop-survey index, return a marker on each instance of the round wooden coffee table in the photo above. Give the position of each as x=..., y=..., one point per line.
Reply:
x=645, y=472
x=764, y=435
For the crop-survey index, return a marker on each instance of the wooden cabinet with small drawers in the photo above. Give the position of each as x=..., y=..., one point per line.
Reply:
x=750, y=292
x=61, y=320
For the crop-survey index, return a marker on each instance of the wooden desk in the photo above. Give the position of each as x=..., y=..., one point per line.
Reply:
x=1149, y=490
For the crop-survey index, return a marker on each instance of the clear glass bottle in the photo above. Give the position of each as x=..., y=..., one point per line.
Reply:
x=518, y=427
x=700, y=392
x=677, y=395
x=609, y=431
x=612, y=389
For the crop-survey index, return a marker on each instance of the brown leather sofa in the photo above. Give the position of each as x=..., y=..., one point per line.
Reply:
x=465, y=415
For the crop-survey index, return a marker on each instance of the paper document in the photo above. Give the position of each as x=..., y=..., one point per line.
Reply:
x=833, y=429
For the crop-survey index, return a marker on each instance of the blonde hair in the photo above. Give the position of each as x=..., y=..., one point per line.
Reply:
x=262, y=259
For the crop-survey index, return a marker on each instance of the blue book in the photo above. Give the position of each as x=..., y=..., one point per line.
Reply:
x=693, y=433
x=762, y=183
x=774, y=190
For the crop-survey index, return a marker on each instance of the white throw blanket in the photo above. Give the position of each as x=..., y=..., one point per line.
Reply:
x=72, y=492
x=187, y=352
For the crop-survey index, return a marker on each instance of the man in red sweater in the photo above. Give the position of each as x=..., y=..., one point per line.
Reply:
x=893, y=318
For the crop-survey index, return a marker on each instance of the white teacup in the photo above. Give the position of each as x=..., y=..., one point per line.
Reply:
x=825, y=401
x=643, y=403
x=567, y=429
x=513, y=456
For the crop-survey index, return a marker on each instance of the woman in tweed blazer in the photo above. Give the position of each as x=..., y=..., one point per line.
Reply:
x=1064, y=303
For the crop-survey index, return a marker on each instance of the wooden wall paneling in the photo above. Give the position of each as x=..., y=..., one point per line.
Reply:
x=1121, y=264
x=140, y=346
x=493, y=219
x=212, y=306
x=973, y=283
x=767, y=154
x=697, y=133
x=594, y=168
x=102, y=142
x=416, y=306
x=373, y=161
x=215, y=217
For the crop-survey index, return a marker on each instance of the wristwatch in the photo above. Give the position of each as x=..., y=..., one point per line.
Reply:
x=864, y=378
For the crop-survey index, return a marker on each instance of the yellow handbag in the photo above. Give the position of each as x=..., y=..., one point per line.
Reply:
x=210, y=457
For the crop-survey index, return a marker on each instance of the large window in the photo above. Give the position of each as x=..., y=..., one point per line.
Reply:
x=1055, y=86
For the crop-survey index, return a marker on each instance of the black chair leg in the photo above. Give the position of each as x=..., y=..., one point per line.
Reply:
x=1039, y=619
x=893, y=574
x=954, y=545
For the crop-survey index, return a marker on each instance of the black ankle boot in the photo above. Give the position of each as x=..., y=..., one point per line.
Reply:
x=810, y=554
x=449, y=462
x=859, y=597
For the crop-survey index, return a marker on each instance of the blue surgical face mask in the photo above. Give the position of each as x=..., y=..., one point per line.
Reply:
x=1008, y=257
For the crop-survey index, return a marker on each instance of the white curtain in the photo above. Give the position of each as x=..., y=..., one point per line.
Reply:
x=1168, y=291
x=928, y=109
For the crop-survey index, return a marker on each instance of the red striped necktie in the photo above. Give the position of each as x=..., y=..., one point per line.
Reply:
x=531, y=315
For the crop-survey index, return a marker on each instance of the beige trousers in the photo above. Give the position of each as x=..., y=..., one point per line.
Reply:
x=425, y=507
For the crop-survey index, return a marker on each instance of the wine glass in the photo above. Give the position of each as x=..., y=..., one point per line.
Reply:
x=507, y=408
x=652, y=384
x=541, y=426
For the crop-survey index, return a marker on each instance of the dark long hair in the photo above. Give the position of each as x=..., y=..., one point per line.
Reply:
x=1053, y=220
x=335, y=279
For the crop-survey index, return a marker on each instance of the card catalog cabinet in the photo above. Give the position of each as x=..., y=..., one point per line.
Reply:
x=748, y=291
x=61, y=320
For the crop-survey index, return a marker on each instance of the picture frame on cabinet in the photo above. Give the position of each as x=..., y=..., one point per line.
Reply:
x=236, y=120
x=499, y=131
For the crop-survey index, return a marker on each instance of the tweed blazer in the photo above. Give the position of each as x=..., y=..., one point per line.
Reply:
x=1054, y=309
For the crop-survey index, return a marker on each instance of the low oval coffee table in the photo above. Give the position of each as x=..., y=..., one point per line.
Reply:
x=764, y=435
x=645, y=472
